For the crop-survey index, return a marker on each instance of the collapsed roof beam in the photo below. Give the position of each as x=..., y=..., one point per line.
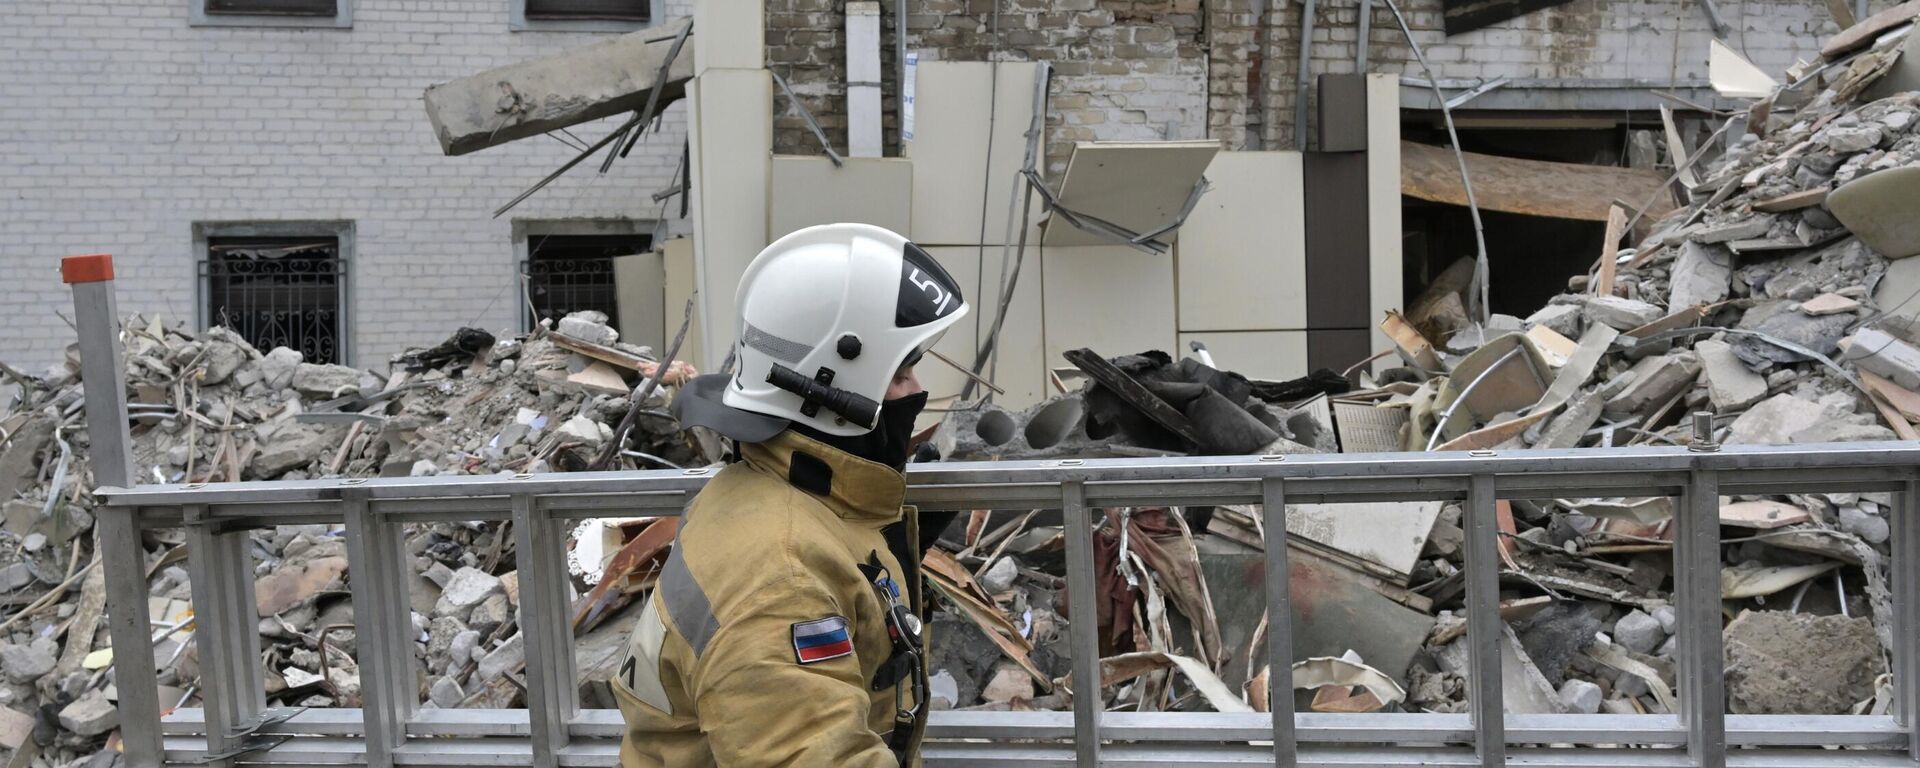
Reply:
x=534, y=97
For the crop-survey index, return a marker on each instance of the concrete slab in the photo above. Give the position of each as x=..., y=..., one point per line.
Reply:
x=968, y=147
x=1699, y=275
x=811, y=190
x=1731, y=385
x=1242, y=255
x=1138, y=185
x=579, y=85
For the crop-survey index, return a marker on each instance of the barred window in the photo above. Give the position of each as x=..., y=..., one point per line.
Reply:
x=590, y=10
x=572, y=273
x=274, y=7
x=326, y=14
x=277, y=285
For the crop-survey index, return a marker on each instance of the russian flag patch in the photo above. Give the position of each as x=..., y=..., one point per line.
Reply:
x=821, y=639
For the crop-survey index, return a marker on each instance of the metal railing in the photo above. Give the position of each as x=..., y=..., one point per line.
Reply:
x=390, y=729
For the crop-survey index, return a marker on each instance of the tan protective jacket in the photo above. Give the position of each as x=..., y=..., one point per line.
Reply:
x=736, y=660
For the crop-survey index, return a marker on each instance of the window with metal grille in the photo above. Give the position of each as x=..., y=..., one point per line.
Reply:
x=324, y=14
x=573, y=273
x=589, y=10
x=278, y=291
x=274, y=7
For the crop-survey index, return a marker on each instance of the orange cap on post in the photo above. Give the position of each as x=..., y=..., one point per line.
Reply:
x=91, y=268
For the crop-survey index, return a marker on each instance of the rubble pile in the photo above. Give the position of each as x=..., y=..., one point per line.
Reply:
x=208, y=407
x=1777, y=298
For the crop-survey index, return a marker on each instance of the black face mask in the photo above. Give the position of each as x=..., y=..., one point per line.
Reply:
x=887, y=443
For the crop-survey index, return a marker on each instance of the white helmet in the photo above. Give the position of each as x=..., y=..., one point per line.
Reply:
x=827, y=314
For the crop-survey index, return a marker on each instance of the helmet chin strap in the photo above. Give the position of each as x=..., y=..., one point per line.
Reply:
x=887, y=442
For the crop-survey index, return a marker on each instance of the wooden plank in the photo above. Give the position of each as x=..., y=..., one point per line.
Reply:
x=1677, y=149
x=1794, y=201
x=1531, y=187
x=1762, y=515
x=1610, y=251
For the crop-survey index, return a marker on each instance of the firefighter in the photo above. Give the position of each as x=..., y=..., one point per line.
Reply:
x=784, y=629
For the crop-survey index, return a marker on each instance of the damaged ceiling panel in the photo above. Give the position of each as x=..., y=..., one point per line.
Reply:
x=1530, y=187
x=1141, y=186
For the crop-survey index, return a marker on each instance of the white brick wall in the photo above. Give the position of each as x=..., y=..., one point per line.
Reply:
x=120, y=126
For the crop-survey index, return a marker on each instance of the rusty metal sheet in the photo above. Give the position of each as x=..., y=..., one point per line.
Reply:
x=1531, y=187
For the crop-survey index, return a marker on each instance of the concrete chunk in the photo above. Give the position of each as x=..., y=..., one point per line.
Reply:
x=1880, y=352
x=1731, y=385
x=1564, y=319
x=1742, y=229
x=1775, y=420
x=1639, y=631
x=1656, y=380
x=90, y=715
x=1828, y=304
x=1699, y=275
x=566, y=89
x=1580, y=697
x=468, y=588
x=1621, y=314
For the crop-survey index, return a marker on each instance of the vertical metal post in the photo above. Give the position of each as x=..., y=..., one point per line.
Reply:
x=1273, y=515
x=227, y=627
x=96, y=319
x=1906, y=612
x=382, y=627
x=1302, y=88
x=1084, y=631
x=552, y=696
x=1702, y=687
x=1484, y=630
x=1366, y=37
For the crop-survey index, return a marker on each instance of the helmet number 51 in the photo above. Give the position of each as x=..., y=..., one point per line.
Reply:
x=940, y=297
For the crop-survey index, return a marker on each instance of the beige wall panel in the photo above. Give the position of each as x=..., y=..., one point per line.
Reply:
x=1114, y=299
x=954, y=104
x=729, y=34
x=677, y=278
x=1383, y=205
x=1019, y=370
x=811, y=190
x=732, y=125
x=1270, y=355
x=1242, y=256
x=639, y=285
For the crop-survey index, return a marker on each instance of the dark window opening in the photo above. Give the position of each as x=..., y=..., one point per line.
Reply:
x=1531, y=258
x=274, y=7
x=574, y=273
x=278, y=292
x=589, y=10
